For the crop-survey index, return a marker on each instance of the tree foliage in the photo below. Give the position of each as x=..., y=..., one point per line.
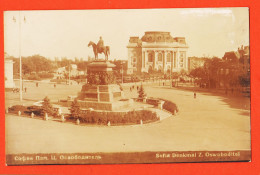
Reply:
x=35, y=63
x=75, y=109
x=141, y=93
x=47, y=107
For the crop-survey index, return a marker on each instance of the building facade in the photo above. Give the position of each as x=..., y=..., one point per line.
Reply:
x=9, y=80
x=157, y=51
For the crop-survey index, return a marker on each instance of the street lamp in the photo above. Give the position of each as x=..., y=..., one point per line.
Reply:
x=122, y=73
x=20, y=56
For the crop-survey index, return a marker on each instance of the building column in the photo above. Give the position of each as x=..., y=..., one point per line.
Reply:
x=174, y=59
x=164, y=61
x=145, y=60
x=171, y=61
x=186, y=58
x=177, y=60
x=155, y=66
x=143, y=57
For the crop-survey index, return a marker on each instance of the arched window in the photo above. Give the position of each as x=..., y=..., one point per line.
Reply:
x=159, y=56
x=169, y=57
x=150, y=57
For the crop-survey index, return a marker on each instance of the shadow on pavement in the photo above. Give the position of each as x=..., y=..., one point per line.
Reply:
x=235, y=101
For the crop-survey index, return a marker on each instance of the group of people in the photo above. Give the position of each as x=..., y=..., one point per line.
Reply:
x=133, y=87
x=16, y=90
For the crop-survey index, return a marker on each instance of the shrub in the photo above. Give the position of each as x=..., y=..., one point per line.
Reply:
x=141, y=93
x=14, y=109
x=75, y=109
x=169, y=106
x=47, y=107
x=37, y=110
x=131, y=117
x=152, y=101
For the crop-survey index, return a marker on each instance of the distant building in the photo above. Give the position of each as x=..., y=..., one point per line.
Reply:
x=195, y=62
x=9, y=80
x=157, y=51
x=62, y=71
x=238, y=64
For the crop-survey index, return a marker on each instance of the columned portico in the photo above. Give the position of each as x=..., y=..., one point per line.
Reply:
x=159, y=51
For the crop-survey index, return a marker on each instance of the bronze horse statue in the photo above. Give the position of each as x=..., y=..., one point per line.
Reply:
x=97, y=50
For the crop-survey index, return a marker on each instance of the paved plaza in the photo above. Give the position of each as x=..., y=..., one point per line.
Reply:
x=209, y=122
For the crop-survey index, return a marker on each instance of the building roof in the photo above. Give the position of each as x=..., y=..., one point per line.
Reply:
x=233, y=55
x=157, y=36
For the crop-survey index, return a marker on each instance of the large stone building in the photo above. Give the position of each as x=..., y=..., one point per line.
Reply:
x=157, y=51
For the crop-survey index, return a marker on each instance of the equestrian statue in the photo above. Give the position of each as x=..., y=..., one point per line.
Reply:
x=99, y=48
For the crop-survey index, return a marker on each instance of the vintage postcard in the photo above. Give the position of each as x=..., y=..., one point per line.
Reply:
x=127, y=86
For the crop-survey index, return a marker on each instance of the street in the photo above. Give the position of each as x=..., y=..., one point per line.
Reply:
x=209, y=122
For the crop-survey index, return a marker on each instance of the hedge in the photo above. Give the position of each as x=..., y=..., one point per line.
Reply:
x=37, y=110
x=16, y=108
x=169, y=106
x=131, y=117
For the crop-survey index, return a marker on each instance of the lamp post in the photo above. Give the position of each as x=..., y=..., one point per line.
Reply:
x=122, y=73
x=21, y=83
x=20, y=56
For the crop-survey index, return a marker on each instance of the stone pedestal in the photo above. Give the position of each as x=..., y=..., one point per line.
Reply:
x=101, y=92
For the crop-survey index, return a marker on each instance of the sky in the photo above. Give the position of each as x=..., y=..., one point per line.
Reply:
x=66, y=33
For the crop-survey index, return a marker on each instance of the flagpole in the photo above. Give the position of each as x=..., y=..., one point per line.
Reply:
x=21, y=89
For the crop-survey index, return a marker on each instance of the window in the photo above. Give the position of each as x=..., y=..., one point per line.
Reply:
x=160, y=57
x=181, y=59
x=169, y=57
x=168, y=69
x=174, y=59
x=150, y=57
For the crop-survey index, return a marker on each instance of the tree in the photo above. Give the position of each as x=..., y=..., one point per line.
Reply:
x=75, y=109
x=47, y=107
x=141, y=93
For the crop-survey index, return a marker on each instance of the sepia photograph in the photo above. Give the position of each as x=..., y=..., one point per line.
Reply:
x=127, y=86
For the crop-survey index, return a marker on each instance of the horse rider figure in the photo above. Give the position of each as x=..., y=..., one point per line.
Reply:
x=100, y=45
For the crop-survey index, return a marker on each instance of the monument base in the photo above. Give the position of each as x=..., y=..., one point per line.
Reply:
x=100, y=93
x=107, y=106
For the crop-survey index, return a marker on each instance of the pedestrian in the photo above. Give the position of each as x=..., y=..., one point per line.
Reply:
x=163, y=83
x=37, y=84
x=54, y=85
x=195, y=95
x=25, y=89
x=137, y=87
